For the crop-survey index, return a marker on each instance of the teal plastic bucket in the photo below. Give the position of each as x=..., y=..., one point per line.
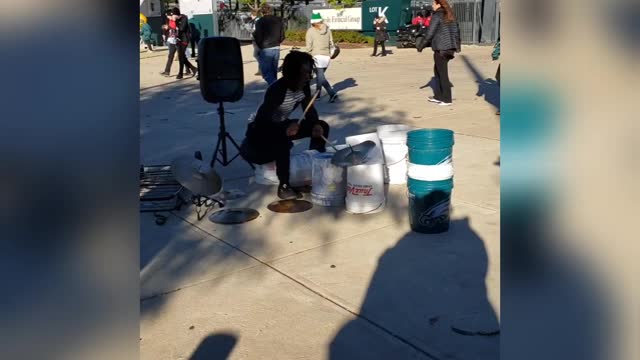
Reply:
x=429, y=205
x=430, y=146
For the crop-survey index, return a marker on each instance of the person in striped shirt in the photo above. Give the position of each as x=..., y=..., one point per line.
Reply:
x=269, y=136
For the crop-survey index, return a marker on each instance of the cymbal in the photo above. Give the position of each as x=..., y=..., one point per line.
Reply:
x=290, y=206
x=196, y=176
x=233, y=216
x=354, y=155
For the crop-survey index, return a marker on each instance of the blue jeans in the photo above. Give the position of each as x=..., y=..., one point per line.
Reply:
x=268, y=63
x=321, y=81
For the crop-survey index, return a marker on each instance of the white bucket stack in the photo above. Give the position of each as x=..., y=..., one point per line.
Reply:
x=394, y=146
x=300, y=168
x=365, y=183
x=328, y=184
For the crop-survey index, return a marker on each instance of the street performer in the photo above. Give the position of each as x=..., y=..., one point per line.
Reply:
x=269, y=136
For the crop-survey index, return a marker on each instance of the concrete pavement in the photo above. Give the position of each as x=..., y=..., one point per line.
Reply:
x=325, y=284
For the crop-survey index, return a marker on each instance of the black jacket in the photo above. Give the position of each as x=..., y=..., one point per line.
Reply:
x=184, y=30
x=443, y=35
x=381, y=34
x=269, y=32
x=263, y=127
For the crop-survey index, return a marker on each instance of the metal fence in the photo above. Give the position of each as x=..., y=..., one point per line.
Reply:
x=233, y=24
x=478, y=19
x=468, y=15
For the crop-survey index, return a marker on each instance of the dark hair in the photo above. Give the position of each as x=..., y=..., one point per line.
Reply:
x=294, y=63
x=168, y=13
x=176, y=11
x=266, y=10
x=448, y=13
x=419, y=14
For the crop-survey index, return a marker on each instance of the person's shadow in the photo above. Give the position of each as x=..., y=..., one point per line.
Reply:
x=215, y=347
x=429, y=292
x=345, y=84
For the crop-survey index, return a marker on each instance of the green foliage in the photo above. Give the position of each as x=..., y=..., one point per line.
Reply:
x=339, y=36
x=341, y=4
x=352, y=37
x=295, y=35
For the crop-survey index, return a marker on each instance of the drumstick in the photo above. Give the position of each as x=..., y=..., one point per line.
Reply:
x=313, y=99
x=327, y=141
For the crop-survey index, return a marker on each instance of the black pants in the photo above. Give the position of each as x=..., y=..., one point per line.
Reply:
x=182, y=59
x=375, y=48
x=441, y=73
x=194, y=45
x=172, y=52
x=266, y=145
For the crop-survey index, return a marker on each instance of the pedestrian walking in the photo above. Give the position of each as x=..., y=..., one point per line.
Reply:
x=380, y=25
x=251, y=27
x=145, y=33
x=184, y=36
x=170, y=36
x=444, y=35
x=269, y=34
x=195, y=39
x=319, y=41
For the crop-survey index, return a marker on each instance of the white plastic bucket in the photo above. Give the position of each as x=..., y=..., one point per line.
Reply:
x=300, y=167
x=365, y=189
x=394, y=147
x=328, y=182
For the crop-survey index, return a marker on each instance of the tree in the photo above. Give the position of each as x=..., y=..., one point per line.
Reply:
x=341, y=4
x=254, y=5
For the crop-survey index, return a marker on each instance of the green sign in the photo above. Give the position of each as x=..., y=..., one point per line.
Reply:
x=394, y=10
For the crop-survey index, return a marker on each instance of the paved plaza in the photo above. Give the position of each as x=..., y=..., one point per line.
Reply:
x=325, y=284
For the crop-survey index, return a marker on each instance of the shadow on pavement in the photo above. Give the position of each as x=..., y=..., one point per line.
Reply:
x=489, y=88
x=427, y=292
x=345, y=84
x=215, y=347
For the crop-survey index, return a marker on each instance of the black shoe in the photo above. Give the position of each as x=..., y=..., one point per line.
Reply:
x=286, y=192
x=164, y=73
x=384, y=54
x=333, y=98
x=195, y=73
x=179, y=77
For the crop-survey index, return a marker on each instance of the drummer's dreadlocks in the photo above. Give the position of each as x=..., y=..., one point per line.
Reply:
x=295, y=65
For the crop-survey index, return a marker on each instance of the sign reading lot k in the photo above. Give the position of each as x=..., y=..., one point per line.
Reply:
x=391, y=9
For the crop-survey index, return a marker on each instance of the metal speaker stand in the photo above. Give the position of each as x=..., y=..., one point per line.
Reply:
x=220, y=154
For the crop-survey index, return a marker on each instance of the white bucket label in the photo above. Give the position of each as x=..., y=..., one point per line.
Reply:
x=360, y=190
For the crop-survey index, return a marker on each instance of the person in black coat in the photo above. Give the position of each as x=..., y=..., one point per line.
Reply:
x=269, y=136
x=380, y=25
x=195, y=39
x=444, y=35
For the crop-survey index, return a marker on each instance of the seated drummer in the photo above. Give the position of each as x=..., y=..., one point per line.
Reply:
x=269, y=136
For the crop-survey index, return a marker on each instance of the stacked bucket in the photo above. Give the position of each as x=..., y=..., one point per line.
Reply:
x=430, y=179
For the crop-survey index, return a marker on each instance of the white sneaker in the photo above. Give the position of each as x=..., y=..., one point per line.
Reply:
x=433, y=100
x=441, y=103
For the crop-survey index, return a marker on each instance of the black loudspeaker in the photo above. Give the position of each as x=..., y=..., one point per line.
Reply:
x=220, y=68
